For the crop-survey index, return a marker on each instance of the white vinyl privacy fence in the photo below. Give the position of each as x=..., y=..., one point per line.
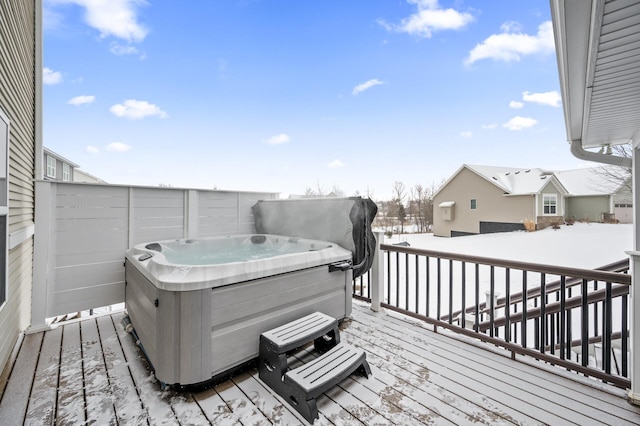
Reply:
x=83, y=230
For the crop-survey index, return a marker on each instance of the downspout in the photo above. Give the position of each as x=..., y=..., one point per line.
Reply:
x=579, y=152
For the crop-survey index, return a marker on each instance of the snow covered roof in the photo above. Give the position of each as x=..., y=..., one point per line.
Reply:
x=523, y=181
x=587, y=182
x=513, y=180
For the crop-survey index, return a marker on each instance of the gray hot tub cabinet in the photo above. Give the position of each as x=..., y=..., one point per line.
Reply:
x=191, y=337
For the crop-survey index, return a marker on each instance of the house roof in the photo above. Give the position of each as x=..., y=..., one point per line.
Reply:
x=47, y=151
x=598, y=51
x=523, y=181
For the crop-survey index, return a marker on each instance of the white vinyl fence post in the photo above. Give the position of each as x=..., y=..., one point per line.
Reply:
x=44, y=221
x=377, y=275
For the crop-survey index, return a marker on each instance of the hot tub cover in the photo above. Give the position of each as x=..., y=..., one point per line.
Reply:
x=344, y=221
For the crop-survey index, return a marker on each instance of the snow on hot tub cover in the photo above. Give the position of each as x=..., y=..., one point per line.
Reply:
x=344, y=221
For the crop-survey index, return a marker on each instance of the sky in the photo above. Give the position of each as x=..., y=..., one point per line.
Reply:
x=288, y=96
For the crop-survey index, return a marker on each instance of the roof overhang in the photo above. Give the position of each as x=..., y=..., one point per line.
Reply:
x=598, y=53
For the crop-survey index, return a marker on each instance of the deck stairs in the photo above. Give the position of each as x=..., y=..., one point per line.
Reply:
x=300, y=386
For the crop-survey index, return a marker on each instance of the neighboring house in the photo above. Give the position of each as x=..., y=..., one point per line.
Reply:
x=84, y=177
x=487, y=199
x=20, y=136
x=56, y=167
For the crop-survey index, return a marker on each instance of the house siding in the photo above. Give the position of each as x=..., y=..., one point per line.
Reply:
x=589, y=208
x=19, y=63
x=492, y=205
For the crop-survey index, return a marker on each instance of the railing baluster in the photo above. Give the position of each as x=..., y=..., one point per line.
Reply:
x=569, y=327
x=607, y=328
x=398, y=279
x=525, y=301
x=450, y=291
x=492, y=307
x=417, y=300
x=389, y=277
x=463, y=304
x=584, y=335
x=507, y=305
x=428, y=269
x=406, y=281
x=563, y=321
x=543, y=311
x=476, y=324
x=439, y=284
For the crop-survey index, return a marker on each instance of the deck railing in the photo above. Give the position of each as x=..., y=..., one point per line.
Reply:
x=570, y=317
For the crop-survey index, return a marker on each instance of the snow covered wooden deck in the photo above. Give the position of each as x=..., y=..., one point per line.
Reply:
x=91, y=371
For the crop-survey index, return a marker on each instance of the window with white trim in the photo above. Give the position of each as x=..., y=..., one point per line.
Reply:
x=473, y=205
x=66, y=172
x=51, y=166
x=549, y=204
x=4, y=206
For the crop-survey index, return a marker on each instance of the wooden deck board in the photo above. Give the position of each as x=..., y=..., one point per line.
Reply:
x=42, y=402
x=70, y=404
x=19, y=386
x=534, y=383
x=93, y=368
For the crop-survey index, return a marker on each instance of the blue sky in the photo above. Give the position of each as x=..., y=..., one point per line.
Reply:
x=285, y=95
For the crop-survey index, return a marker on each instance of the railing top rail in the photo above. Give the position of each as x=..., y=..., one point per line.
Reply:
x=589, y=274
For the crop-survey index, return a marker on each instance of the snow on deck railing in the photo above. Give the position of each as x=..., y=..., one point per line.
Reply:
x=581, y=326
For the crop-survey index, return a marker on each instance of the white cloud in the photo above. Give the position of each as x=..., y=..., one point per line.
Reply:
x=516, y=104
x=137, y=110
x=118, y=147
x=552, y=98
x=278, y=139
x=82, y=100
x=116, y=18
x=50, y=76
x=490, y=126
x=511, y=46
x=466, y=134
x=519, y=123
x=121, y=50
x=335, y=164
x=429, y=17
x=366, y=85
x=92, y=149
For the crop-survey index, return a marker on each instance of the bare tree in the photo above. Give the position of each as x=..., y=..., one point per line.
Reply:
x=619, y=177
x=398, y=203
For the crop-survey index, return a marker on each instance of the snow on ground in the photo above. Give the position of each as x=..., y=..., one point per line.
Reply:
x=582, y=245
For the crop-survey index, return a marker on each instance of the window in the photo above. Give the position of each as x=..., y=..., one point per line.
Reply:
x=549, y=204
x=51, y=166
x=474, y=204
x=66, y=172
x=4, y=206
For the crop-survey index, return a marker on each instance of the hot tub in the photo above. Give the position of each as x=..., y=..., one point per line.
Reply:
x=199, y=306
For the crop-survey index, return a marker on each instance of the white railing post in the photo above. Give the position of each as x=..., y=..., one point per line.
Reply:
x=634, y=291
x=43, y=247
x=377, y=275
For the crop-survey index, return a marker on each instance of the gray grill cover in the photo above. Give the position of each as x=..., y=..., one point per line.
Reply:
x=344, y=221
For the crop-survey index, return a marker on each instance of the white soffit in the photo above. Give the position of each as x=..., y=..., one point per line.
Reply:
x=598, y=50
